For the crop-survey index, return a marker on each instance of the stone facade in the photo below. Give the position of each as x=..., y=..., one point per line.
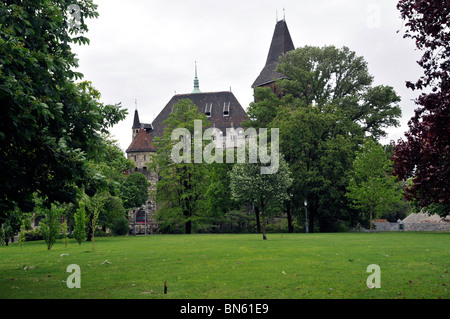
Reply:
x=424, y=222
x=414, y=222
x=142, y=219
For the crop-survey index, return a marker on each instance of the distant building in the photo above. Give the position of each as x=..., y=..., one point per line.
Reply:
x=221, y=108
x=280, y=45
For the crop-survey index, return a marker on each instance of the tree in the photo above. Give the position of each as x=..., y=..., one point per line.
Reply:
x=264, y=109
x=180, y=191
x=135, y=190
x=95, y=204
x=50, y=225
x=265, y=190
x=49, y=124
x=424, y=155
x=328, y=105
x=79, y=231
x=331, y=76
x=218, y=194
x=320, y=148
x=63, y=228
x=372, y=187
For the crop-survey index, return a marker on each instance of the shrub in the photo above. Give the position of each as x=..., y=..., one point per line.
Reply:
x=33, y=235
x=50, y=225
x=120, y=226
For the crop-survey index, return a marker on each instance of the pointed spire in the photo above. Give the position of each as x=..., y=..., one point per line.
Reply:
x=280, y=45
x=196, y=82
x=136, y=122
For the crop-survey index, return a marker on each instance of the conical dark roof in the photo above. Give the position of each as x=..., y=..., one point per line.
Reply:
x=136, y=122
x=281, y=43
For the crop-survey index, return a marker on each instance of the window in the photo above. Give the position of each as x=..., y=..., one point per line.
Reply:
x=140, y=216
x=226, y=109
x=208, y=109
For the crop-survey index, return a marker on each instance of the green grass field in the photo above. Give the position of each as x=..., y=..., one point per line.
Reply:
x=206, y=266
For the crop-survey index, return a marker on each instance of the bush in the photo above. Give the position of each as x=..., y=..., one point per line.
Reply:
x=100, y=233
x=50, y=225
x=120, y=226
x=33, y=235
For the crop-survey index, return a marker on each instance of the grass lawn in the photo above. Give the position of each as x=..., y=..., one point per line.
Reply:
x=205, y=266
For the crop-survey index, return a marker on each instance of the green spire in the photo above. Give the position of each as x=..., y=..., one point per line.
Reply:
x=196, y=82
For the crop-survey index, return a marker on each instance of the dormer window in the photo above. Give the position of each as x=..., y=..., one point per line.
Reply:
x=226, y=109
x=208, y=109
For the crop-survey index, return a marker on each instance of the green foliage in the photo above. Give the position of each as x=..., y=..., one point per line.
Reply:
x=33, y=235
x=329, y=105
x=320, y=147
x=181, y=188
x=331, y=76
x=372, y=187
x=135, y=190
x=264, y=109
x=120, y=226
x=95, y=204
x=265, y=190
x=50, y=226
x=10, y=226
x=64, y=233
x=22, y=238
x=79, y=231
x=218, y=194
x=49, y=124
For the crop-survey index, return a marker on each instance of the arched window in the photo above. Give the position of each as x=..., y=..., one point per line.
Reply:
x=140, y=216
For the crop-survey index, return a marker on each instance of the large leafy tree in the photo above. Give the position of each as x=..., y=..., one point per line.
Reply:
x=329, y=105
x=180, y=191
x=424, y=154
x=319, y=147
x=332, y=76
x=372, y=187
x=265, y=190
x=49, y=125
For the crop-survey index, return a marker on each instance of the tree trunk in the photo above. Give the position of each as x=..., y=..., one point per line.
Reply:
x=93, y=235
x=258, y=223
x=289, y=218
x=263, y=221
x=89, y=235
x=311, y=217
x=189, y=227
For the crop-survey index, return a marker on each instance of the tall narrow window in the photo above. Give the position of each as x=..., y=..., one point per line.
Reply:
x=226, y=109
x=208, y=109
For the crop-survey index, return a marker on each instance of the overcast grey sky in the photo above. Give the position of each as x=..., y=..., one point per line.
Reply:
x=146, y=49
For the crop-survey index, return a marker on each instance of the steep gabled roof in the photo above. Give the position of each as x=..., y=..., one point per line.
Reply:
x=142, y=142
x=281, y=43
x=215, y=102
x=136, y=122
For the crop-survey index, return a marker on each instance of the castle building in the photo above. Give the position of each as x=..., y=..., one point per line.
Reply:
x=281, y=44
x=221, y=108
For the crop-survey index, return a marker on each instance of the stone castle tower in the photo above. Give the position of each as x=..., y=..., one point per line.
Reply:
x=280, y=45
